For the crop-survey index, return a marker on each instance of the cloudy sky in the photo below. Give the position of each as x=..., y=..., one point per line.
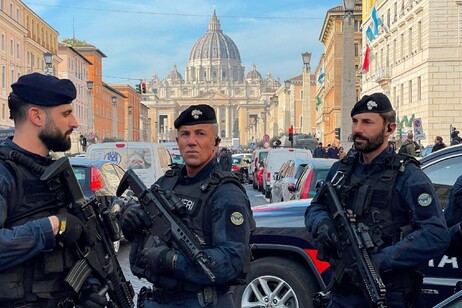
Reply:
x=143, y=38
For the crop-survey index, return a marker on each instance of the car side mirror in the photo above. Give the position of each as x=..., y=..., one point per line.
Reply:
x=291, y=188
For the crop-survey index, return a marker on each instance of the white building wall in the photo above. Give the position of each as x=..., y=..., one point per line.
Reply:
x=423, y=79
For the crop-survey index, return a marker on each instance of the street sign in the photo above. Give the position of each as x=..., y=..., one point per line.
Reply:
x=266, y=145
x=418, y=130
x=266, y=138
x=252, y=144
x=91, y=136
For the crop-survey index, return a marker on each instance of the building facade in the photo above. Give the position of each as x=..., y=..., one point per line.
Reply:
x=417, y=62
x=214, y=76
x=329, y=72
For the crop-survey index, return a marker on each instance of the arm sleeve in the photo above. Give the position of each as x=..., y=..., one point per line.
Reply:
x=230, y=227
x=20, y=243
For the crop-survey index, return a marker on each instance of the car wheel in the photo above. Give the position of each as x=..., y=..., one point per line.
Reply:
x=275, y=282
x=116, y=246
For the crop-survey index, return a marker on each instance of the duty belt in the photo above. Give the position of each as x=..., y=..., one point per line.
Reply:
x=206, y=296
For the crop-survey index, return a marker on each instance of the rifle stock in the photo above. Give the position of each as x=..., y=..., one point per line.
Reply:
x=96, y=249
x=354, y=245
x=158, y=204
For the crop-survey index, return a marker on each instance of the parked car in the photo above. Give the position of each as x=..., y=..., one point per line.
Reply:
x=286, y=178
x=240, y=166
x=273, y=162
x=284, y=267
x=443, y=167
x=100, y=179
x=148, y=160
x=315, y=171
x=258, y=156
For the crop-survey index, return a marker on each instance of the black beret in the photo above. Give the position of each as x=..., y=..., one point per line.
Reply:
x=376, y=103
x=44, y=90
x=196, y=114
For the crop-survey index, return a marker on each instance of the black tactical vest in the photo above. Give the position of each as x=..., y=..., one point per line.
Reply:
x=370, y=198
x=195, y=197
x=44, y=274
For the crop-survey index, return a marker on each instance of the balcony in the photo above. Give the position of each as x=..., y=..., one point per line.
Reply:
x=382, y=76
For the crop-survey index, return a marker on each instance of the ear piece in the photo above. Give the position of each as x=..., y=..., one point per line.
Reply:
x=389, y=128
x=217, y=141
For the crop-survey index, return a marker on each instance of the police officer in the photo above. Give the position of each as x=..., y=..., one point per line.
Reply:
x=389, y=194
x=37, y=235
x=217, y=210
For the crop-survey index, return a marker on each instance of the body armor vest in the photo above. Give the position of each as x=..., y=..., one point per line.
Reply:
x=44, y=274
x=195, y=197
x=370, y=198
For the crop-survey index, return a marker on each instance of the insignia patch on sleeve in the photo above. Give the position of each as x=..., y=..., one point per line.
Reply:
x=237, y=218
x=424, y=199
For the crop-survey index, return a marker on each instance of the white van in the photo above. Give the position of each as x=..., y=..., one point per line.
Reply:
x=276, y=157
x=149, y=160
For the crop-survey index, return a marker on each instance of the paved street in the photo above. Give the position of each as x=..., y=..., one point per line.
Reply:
x=255, y=197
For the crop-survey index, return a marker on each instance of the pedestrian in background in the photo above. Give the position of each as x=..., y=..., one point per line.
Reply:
x=217, y=211
x=37, y=234
x=225, y=159
x=439, y=144
x=409, y=146
x=319, y=151
x=341, y=153
x=393, y=198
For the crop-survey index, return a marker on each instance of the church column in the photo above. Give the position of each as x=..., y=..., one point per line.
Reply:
x=228, y=121
x=220, y=125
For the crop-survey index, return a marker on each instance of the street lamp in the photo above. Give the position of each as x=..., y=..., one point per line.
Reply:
x=130, y=124
x=90, y=109
x=114, y=117
x=306, y=98
x=306, y=56
x=289, y=118
x=48, y=56
x=348, y=72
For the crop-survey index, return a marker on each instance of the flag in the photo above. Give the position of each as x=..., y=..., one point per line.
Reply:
x=366, y=59
x=318, y=102
x=321, y=76
x=369, y=34
x=377, y=21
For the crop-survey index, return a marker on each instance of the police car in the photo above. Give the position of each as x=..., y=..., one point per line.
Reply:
x=285, y=271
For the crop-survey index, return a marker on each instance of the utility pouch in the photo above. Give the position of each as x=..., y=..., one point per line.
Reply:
x=207, y=296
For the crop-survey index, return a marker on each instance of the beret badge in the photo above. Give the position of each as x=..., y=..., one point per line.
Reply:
x=371, y=104
x=196, y=114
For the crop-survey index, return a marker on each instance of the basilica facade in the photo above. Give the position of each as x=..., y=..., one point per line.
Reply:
x=214, y=76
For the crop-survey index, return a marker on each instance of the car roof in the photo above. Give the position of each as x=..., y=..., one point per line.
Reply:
x=80, y=161
x=453, y=150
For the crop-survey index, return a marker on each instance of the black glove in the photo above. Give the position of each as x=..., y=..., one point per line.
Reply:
x=133, y=220
x=89, y=297
x=326, y=239
x=158, y=259
x=69, y=231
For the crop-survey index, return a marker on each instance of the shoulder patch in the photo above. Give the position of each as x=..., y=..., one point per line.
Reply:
x=237, y=218
x=424, y=199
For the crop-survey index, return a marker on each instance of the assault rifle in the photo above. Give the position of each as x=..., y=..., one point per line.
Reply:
x=164, y=225
x=354, y=245
x=96, y=249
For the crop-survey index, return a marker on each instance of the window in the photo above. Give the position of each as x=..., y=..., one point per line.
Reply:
x=410, y=91
x=419, y=88
x=3, y=42
x=3, y=77
x=402, y=47
x=11, y=47
x=419, y=35
x=410, y=41
x=17, y=51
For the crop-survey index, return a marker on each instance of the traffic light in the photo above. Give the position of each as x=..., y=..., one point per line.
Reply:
x=291, y=133
x=143, y=87
x=337, y=133
x=138, y=88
